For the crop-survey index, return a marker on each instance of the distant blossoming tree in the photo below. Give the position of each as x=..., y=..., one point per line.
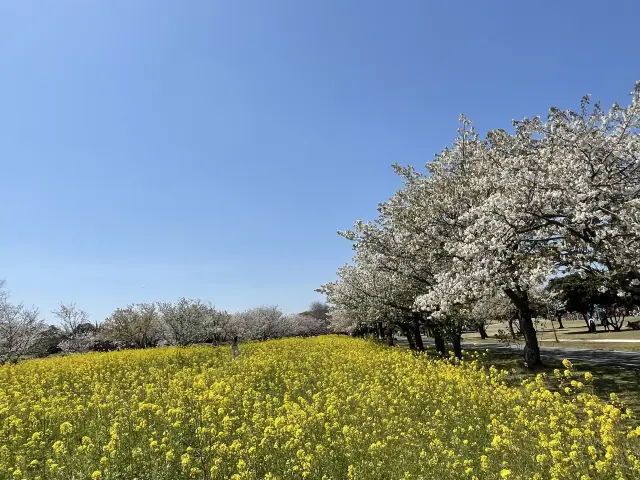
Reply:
x=20, y=327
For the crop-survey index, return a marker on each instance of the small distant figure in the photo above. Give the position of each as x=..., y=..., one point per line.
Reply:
x=235, y=353
x=592, y=326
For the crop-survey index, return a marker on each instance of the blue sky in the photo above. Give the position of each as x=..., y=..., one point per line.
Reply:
x=153, y=149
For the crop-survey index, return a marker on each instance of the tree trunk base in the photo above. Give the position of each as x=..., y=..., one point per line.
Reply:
x=389, y=336
x=531, y=357
x=415, y=324
x=441, y=346
x=520, y=300
x=409, y=334
x=483, y=332
x=456, y=341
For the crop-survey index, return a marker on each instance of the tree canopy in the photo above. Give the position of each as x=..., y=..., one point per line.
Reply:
x=499, y=216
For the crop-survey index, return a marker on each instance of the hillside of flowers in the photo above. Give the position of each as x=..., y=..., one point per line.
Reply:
x=328, y=407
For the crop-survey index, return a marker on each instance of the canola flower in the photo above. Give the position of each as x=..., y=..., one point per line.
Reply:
x=322, y=408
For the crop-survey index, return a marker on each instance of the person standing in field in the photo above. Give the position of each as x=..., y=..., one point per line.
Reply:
x=235, y=353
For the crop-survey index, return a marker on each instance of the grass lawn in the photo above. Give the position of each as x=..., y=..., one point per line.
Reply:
x=633, y=347
x=574, y=335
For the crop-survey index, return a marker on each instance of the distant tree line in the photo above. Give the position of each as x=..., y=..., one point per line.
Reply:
x=186, y=322
x=612, y=299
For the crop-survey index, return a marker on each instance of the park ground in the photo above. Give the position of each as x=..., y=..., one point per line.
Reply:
x=574, y=335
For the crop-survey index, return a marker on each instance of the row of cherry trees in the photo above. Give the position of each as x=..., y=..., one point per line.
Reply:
x=494, y=217
x=185, y=322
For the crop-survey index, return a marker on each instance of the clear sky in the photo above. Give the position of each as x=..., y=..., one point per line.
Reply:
x=154, y=149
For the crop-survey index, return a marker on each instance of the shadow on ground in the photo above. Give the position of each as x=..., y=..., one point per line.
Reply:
x=611, y=333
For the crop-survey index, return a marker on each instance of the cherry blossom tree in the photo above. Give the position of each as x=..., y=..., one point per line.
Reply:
x=190, y=321
x=341, y=321
x=260, y=323
x=70, y=318
x=371, y=292
x=490, y=248
x=20, y=327
x=394, y=263
x=498, y=216
x=560, y=194
x=139, y=325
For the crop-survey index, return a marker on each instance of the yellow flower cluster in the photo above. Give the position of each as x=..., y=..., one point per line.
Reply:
x=323, y=408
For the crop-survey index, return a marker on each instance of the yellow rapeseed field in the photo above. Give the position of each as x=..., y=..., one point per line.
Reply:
x=322, y=408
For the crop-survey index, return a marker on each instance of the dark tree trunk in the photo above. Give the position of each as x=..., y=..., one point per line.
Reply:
x=390, y=335
x=482, y=330
x=586, y=320
x=456, y=341
x=520, y=300
x=618, y=322
x=379, y=331
x=409, y=334
x=415, y=326
x=513, y=333
x=441, y=346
